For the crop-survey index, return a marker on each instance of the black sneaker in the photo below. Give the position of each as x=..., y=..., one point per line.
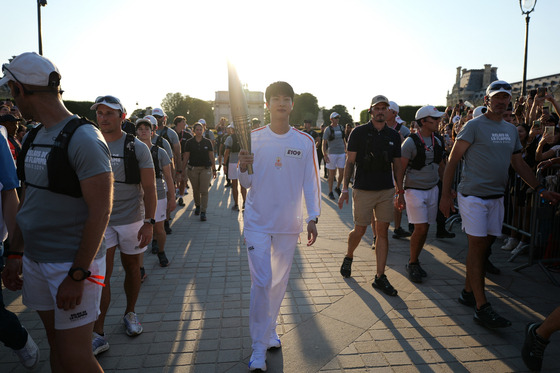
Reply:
x=467, y=298
x=197, y=210
x=167, y=228
x=533, y=347
x=338, y=191
x=235, y=208
x=491, y=268
x=143, y=274
x=163, y=261
x=443, y=233
x=383, y=284
x=155, y=247
x=202, y=216
x=414, y=274
x=331, y=195
x=346, y=267
x=422, y=272
x=487, y=317
x=181, y=202
x=373, y=244
x=400, y=233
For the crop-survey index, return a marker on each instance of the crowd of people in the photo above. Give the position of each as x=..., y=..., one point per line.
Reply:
x=85, y=189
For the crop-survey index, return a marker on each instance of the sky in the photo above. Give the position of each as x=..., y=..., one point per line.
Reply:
x=343, y=52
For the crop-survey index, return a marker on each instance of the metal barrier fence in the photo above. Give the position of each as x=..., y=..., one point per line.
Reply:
x=530, y=219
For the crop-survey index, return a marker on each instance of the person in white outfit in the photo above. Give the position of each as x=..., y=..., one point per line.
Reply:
x=285, y=170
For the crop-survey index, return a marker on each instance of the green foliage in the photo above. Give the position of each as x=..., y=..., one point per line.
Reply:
x=193, y=109
x=81, y=108
x=345, y=117
x=305, y=107
x=364, y=116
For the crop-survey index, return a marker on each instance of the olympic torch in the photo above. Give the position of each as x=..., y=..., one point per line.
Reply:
x=239, y=112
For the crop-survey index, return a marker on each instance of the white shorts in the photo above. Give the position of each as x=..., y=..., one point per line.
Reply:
x=336, y=161
x=481, y=217
x=421, y=205
x=232, y=171
x=40, y=286
x=161, y=210
x=125, y=237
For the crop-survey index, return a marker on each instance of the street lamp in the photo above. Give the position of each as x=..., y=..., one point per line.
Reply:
x=527, y=6
x=40, y=3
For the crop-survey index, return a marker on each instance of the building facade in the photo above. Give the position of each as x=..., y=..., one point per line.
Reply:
x=470, y=85
x=255, y=102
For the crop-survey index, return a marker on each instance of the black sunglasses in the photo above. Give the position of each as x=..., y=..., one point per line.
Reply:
x=498, y=86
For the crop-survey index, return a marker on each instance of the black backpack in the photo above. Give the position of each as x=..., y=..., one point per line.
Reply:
x=419, y=161
x=62, y=177
x=155, y=157
x=131, y=166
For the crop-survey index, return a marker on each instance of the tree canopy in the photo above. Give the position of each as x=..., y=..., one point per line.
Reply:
x=193, y=109
x=305, y=107
x=345, y=117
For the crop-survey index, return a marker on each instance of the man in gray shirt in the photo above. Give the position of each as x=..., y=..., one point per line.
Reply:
x=334, y=151
x=488, y=144
x=61, y=219
x=132, y=219
x=422, y=158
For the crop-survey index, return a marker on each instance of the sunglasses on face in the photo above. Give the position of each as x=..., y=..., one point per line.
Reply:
x=498, y=86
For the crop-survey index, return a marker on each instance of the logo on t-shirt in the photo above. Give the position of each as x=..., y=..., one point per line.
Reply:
x=500, y=138
x=278, y=163
x=294, y=153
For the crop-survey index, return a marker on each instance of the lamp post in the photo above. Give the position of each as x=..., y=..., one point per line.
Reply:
x=40, y=3
x=527, y=6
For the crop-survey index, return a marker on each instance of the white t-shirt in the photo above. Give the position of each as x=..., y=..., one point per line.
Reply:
x=285, y=169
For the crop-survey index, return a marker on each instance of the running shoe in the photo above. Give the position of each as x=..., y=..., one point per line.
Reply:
x=274, y=341
x=338, y=191
x=197, y=210
x=99, y=344
x=28, y=355
x=414, y=273
x=533, y=347
x=257, y=361
x=132, y=325
x=167, y=228
x=510, y=244
x=203, y=216
x=400, y=233
x=467, y=298
x=383, y=284
x=346, y=267
x=181, y=202
x=163, y=261
x=487, y=317
x=331, y=195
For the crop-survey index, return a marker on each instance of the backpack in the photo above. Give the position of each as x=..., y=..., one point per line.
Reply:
x=331, y=134
x=419, y=161
x=62, y=177
x=131, y=166
x=165, y=135
x=235, y=147
x=155, y=157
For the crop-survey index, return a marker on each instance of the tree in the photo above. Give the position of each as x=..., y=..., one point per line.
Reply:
x=81, y=108
x=193, y=109
x=305, y=107
x=364, y=116
x=345, y=117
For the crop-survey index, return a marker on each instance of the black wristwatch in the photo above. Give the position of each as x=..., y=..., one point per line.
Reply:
x=78, y=274
x=150, y=221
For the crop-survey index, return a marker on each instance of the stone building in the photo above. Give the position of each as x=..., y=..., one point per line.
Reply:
x=255, y=102
x=470, y=85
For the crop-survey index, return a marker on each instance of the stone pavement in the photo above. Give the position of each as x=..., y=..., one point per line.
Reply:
x=195, y=312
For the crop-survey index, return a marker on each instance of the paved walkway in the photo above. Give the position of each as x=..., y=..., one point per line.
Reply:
x=195, y=312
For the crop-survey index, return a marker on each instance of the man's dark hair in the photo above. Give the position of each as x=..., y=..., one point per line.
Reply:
x=277, y=89
x=307, y=121
x=179, y=119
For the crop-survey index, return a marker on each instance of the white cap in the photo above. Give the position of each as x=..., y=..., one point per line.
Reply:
x=231, y=126
x=393, y=106
x=33, y=69
x=145, y=120
x=428, y=111
x=202, y=121
x=334, y=114
x=152, y=120
x=456, y=119
x=399, y=120
x=479, y=110
x=158, y=111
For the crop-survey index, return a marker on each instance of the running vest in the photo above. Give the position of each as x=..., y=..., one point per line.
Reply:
x=131, y=166
x=235, y=147
x=155, y=157
x=62, y=177
x=419, y=161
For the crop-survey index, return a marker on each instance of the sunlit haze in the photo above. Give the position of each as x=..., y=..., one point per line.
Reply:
x=343, y=52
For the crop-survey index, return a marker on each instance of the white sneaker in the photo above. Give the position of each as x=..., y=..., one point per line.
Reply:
x=29, y=354
x=521, y=247
x=510, y=244
x=258, y=361
x=132, y=325
x=99, y=344
x=274, y=341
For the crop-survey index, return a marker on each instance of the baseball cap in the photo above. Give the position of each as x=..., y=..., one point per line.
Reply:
x=9, y=118
x=334, y=114
x=231, y=126
x=428, y=111
x=202, y=121
x=110, y=101
x=399, y=120
x=456, y=119
x=157, y=111
x=379, y=99
x=255, y=120
x=145, y=120
x=498, y=86
x=152, y=120
x=393, y=106
x=33, y=69
x=478, y=111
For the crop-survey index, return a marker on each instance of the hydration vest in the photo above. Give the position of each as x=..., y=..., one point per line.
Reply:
x=155, y=157
x=131, y=166
x=419, y=161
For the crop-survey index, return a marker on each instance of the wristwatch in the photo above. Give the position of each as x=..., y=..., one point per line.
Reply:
x=150, y=221
x=78, y=274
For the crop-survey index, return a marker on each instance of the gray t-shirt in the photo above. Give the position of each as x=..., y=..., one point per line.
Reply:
x=128, y=200
x=161, y=187
x=404, y=131
x=166, y=146
x=486, y=161
x=209, y=135
x=427, y=177
x=233, y=157
x=173, y=137
x=52, y=223
x=336, y=146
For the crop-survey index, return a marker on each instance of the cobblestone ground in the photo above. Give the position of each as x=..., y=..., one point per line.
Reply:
x=195, y=312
